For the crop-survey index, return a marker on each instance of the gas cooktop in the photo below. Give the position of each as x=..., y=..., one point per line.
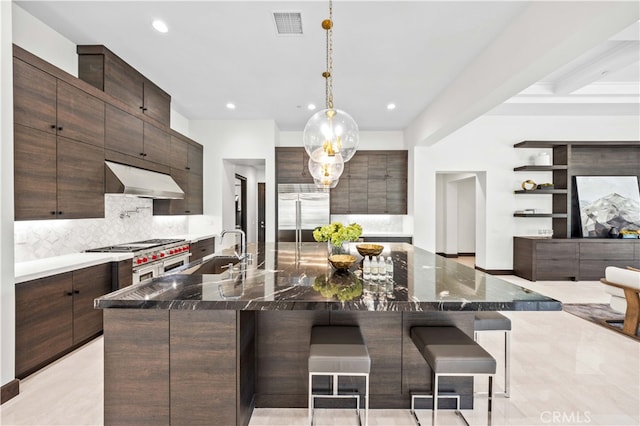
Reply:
x=135, y=246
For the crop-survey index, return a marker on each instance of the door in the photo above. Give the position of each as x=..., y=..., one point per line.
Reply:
x=261, y=212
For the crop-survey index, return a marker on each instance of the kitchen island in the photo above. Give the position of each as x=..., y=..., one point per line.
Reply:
x=205, y=347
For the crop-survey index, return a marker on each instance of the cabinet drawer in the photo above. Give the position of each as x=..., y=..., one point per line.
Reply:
x=555, y=269
x=593, y=270
x=606, y=250
x=557, y=251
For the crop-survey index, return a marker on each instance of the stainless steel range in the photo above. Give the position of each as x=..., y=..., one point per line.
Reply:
x=152, y=258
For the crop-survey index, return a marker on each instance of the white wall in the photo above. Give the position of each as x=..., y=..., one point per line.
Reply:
x=467, y=215
x=235, y=140
x=368, y=140
x=486, y=145
x=7, y=290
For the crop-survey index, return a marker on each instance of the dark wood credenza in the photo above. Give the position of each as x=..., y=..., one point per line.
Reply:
x=576, y=259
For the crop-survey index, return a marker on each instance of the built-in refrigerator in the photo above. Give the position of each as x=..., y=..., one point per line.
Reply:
x=301, y=208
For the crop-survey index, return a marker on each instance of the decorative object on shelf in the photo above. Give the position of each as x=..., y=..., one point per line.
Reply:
x=369, y=249
x=330, y=136
x=529, y=185
x=542, y=159
x=606, y=202
x=545, y=233
x=526, y=211
x=614, y=232
x=545, y=186
x=344, y=285
x=630, y=234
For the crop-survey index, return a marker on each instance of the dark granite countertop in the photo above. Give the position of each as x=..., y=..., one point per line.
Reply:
x=283, y=278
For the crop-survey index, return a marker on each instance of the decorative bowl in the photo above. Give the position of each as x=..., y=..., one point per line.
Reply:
x=342, y=261
x=369, y=249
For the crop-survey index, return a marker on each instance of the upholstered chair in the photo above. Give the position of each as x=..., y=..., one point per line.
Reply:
x=624, y=287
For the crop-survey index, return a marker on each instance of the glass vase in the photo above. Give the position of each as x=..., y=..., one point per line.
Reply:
x=341, y=249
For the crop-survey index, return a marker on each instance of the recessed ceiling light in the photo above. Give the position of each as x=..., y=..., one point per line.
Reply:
x=160, y=26
x=391, y=106
x=311, y=107
x=231, y=105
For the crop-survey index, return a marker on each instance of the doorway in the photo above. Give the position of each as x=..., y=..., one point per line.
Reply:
x=241, y=202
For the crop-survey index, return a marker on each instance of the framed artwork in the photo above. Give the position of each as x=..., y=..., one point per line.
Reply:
x=608, y=202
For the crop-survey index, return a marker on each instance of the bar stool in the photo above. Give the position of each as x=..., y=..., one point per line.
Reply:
x=495, y=321
x=338, y=351
x=450, y=352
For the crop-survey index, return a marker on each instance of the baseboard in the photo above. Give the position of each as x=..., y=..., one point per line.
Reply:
x=461, y=254
x=9, y=390
x=496, y=271
x=447, y=255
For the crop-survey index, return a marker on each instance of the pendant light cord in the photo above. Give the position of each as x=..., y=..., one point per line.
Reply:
x=328, y=75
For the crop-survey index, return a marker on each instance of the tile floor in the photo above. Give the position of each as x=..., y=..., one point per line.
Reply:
x=565, y=370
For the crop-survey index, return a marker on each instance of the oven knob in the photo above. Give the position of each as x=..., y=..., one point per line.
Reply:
x=162, y=254
x=179, y=249
x=154, y=257
x=172, y=251
x=138, y=261
x=145, y=260
x=186, y=248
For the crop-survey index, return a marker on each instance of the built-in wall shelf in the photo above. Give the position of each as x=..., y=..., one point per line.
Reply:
x=531, y=168
x=553, y=144
x=553, y=215
x=540, y=191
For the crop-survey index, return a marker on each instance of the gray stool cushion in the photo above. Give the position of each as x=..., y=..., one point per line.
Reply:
x=488, y=320
x=338, y=349
x=448, y=350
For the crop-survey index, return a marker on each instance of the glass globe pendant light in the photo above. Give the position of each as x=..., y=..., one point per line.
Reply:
x=330, y=136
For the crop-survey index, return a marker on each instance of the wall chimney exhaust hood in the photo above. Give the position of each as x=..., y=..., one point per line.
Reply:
x=122, y=179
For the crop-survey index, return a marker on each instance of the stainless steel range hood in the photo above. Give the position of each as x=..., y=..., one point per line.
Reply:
x=121, y=179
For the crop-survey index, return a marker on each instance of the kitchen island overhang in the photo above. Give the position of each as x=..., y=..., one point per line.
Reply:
x=206, y=349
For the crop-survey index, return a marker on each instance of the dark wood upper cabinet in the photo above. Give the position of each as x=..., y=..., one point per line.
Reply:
x=292, y=165
x=157, y=145
x=195, y=158
x=124, y=132
x=179, y=153
x=80, y=115
x=195, y=198
x=34, y=93
x=80, y=180
x=35, y=170
x=103, y=69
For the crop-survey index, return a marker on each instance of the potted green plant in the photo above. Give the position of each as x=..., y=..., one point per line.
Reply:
x=337, y=235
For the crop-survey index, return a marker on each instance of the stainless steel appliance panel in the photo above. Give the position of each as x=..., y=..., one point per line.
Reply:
x=301, y=208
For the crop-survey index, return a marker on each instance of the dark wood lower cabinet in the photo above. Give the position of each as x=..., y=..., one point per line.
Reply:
x=44, y=321
x=211, y=367
x=55, y=314
x=576, y=258
x=202, y=248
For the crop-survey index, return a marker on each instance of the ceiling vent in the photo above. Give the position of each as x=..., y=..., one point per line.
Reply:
x=288, y=23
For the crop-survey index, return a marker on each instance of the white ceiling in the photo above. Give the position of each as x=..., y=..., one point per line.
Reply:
x=407, y=53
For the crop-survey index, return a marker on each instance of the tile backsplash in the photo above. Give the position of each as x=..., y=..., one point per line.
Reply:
x=127, y=219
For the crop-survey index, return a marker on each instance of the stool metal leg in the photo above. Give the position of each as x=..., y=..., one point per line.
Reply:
x=507, y=363
x=490, y=400
x=434, y=411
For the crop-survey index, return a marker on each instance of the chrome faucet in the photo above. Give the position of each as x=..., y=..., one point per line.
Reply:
x=243, y=241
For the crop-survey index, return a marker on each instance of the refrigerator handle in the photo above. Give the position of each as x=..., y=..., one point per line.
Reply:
x=298, y=224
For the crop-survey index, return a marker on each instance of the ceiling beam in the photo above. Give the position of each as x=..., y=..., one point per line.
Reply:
x=544, y=37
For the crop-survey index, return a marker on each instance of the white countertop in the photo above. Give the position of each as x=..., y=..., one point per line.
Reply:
x=40, y=268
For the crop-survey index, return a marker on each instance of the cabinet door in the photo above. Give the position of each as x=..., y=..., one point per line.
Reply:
x=292, y=166
x=123, y=132
x=122, y=81
x=396, y=196
x=80, y=180
x=340, y=197
x=34, y=97
x=358, y=166
x=376, y=196
x=357, y=195
x=157, y=145
x=88, y=284
x=397, y=165
x=80, y=115
x=194, y=201
x=157, y=103
x=180, y=206
x=43, y=321
x=202, y=248
x=195, y=158
x=34, y=174
x=377, y=166
x=179, y=153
